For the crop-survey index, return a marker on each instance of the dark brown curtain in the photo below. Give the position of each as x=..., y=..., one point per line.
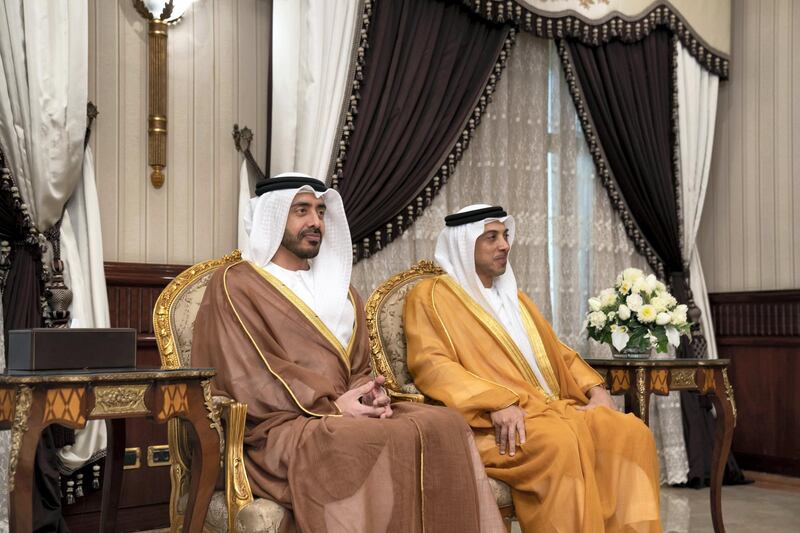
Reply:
x=22, y=309
x=426, y=65
x=628, y=90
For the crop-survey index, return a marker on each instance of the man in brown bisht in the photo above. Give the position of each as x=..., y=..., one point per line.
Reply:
x=287, y=335
x=542, y=420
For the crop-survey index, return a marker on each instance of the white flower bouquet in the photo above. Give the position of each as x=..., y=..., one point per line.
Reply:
x=636, y=315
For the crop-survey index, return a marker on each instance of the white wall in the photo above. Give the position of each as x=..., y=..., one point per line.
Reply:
x=750, y=233
x=217, y=64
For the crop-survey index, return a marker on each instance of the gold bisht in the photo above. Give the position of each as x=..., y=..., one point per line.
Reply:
x=579, y=471
x=413, y=472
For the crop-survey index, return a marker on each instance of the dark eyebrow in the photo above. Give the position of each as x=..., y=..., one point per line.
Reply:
x=303, y=203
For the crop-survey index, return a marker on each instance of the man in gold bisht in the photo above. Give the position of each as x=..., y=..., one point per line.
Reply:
x=542, y=421
x=287, y=335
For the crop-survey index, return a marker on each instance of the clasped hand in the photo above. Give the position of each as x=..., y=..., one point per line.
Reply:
x=368, y=400
x=508, y=424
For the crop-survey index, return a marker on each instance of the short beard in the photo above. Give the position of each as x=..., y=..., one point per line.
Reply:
x=293, y=243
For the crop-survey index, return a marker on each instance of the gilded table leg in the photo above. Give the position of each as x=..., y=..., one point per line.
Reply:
x=25, y=432
x=637, y=398
x=112, y=480
x=724, y=403
x=205, y=460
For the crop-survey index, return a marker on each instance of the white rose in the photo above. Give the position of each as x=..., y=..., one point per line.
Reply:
x=594, y=304
x=671, y=301
x=678, y=315
x=597, y=319
x=608, y=297
x=640, y=285
x=652, y=283
x=632, y=274
x=646, y=314
x=660, y=302
x=634, y=302
x=660, y=287
x=624, y=313
x=663, y=318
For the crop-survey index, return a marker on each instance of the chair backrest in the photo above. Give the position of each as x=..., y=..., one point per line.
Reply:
x=385, y=324
x=176, y=308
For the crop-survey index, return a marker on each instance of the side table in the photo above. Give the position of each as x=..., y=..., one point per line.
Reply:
x=637, y=379
x=30, y=401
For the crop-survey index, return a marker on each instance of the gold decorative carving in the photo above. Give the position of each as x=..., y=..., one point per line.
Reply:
x=64, y=405
x=162, y=325
x=7, y=404
x=659, y=380
x=237, y=488
x=641, y=392
x=682, y=378
x=729, y=394
x=620, y=380
x=120, y=399
x=213, y=415
x=22, y=409
x=380, y=362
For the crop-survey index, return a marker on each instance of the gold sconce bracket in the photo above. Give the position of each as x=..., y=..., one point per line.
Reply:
x=157, y=86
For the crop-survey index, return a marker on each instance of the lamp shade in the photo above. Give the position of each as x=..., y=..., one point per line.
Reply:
x=156, y=7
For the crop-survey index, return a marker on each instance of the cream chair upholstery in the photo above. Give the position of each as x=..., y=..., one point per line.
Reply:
x=388, y=346
x=233, y=509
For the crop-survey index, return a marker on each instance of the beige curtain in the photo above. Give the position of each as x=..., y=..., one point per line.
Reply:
x=529, y=155
x=312, y=48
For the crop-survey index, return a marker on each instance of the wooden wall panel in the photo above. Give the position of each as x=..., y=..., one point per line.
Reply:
x=749, y=239
x=217, y=71
x=760, y=333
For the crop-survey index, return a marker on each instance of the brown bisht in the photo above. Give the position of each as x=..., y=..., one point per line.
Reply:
x=417, y=471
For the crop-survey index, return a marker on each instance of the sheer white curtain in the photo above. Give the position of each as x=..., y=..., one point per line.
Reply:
x=312, y=46
x=697, y=110
x=43, y=95
x=530, y=156
x=82, y=252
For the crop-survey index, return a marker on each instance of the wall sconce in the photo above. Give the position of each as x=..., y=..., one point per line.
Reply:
x=160, y=14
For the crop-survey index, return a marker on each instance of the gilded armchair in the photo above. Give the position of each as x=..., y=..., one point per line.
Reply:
x=384, y=310
x=231, y=509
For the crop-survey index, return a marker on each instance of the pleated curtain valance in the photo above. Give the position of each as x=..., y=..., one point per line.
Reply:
x=703, y=27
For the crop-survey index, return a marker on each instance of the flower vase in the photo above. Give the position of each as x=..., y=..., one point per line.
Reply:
x=630, y=353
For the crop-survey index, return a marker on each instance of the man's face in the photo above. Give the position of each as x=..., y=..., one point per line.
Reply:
x=491, y=251
x=305, y=226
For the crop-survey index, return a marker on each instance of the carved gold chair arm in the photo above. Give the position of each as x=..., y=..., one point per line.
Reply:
x=405, y=396
x=237, y=488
